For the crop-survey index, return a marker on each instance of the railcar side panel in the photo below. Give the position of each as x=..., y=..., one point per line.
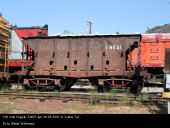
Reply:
x=82, y=56
x=152, y=50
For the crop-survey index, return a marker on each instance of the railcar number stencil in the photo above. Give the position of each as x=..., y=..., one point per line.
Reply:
x=114, y=47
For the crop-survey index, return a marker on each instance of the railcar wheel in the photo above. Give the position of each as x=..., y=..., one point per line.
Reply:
x=137, y=86
x=96, y=85
x=66, y=84
x=64, y=88
x=99, y=88
x=25, y=86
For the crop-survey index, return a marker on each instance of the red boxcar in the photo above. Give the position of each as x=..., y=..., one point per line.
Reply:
x=152, y=55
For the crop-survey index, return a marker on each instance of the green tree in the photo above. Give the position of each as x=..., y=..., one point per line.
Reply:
x=117, y=33
x=67, y=32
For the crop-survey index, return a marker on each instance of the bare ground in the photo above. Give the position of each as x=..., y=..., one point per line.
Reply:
x=53, y=106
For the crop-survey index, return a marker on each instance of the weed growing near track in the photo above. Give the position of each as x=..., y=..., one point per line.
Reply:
x=144, y=97
x=111, y=94
x=94, y=98
x=4, y=88
x=124, y=100
x=5, y=108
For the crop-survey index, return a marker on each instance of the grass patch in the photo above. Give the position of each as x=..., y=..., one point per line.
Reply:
x=56, y=90
x=94, y=98
x=111, y=94
x=4, y=88
x=144, y=97
x=5, y=108
x=136, y=104
x=27, y=91
x=82, y=109
x=89, y=108
x=2, y=106
x=124, y=100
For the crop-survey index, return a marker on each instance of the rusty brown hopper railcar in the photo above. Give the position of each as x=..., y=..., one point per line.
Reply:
x=61, y=60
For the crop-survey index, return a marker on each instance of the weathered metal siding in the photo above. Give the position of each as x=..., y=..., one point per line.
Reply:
x=84, y=56
x=167, y=61
x=15, y=46
x=152, y=50
x=167, y=68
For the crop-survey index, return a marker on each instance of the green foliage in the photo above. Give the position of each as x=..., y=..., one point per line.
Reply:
x=117, y=33
x=94, y=98
x=5, y=108
x=4, y=88
x=67, y=32
x=144, y=97
x=111, y=93
x=159, y=29
x=124, y=101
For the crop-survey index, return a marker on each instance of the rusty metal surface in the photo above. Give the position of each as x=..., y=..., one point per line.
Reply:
x=167, y=67
x=167, y=61
x=117, y=83
x=4, y=76
x=81, y=56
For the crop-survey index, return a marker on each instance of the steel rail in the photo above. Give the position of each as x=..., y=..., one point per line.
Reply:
x=88, y=97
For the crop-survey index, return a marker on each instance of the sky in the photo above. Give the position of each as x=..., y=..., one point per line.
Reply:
x=107, y=16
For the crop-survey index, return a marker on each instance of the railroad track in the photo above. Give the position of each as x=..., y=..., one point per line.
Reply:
x=94, y=98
